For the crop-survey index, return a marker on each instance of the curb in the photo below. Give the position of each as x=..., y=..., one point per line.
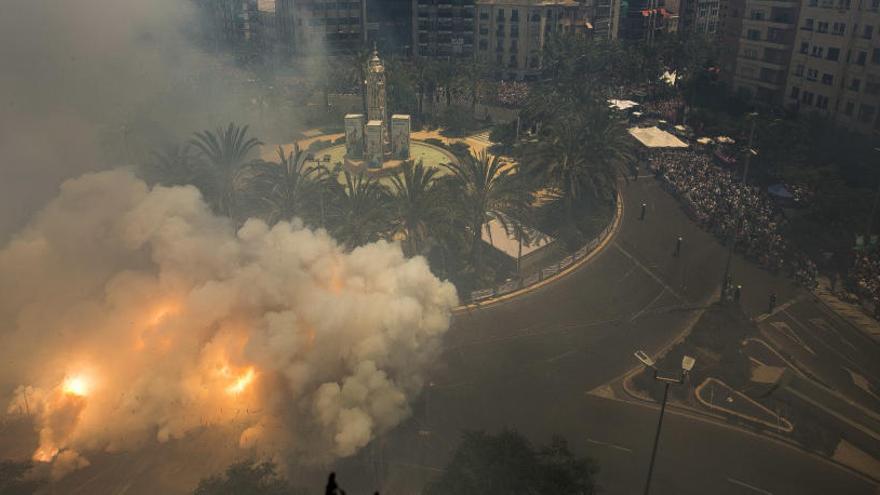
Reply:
x=787, y=429
x=721, y=421
x=612, y=232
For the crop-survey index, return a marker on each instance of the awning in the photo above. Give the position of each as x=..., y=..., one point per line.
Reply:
x=654, y=137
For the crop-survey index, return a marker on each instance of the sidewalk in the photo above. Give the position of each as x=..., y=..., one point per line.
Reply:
x=852, y=313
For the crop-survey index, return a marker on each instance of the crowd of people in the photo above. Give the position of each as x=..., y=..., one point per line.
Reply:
x=733, y=211
x=865, y=276
x=511, y=93
x=667, y=109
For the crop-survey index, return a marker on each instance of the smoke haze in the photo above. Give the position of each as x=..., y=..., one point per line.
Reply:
x=140, y=316
x=131, y=314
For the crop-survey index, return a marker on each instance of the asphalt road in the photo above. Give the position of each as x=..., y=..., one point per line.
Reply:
x=528, y=364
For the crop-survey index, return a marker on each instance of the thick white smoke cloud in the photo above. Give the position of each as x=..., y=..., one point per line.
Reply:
x=130, y=315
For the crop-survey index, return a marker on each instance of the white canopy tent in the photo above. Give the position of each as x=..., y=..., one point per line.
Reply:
x=654, y=137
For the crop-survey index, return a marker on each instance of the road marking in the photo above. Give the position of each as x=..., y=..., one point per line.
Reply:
x=789, y=332
x=750, y=487
x=612, y=445
x=563, y=355
x=642, y=311
x=825, y=326
x=648, y=271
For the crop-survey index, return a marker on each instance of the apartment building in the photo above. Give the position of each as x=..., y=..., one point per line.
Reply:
x=443, y=28
x=389, y=24
x=328, y=26
x=511, y=33
x=758, y=37
x=835, y=66
x=700, y=17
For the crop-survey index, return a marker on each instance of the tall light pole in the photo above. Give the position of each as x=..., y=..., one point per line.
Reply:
x=731, y=238
x=687, y=364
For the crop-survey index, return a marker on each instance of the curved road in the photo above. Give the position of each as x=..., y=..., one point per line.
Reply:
x=529, y=362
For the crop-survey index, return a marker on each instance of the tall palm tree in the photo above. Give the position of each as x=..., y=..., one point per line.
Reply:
x=419, y=207
x=172, y=166
x=489, y=190
x=357, y=215
x=225, y=152
x=580, y=151
x=288, y=188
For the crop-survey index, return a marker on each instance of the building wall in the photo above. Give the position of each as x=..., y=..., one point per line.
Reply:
x=758, y=40
x=443, y=28
x=389, y=24
x=328, y=26
x=511, y=33
x=835, y=68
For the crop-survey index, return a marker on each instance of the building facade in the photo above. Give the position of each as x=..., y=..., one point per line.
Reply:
x=757, y=43
x=328, y=26
x=389, y=25
x=511, y=33
x=700, y=17
x=835, y=66
x=443, y=28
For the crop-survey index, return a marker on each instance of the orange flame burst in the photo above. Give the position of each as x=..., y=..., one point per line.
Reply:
x=76, y=385
x=242, y=382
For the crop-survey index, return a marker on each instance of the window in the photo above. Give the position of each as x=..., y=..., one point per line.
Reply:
x=855, y=84
x=838, y=28
x=833, y=54
x=805, y=47
x=866, y=113
x=848, y=108
x=484, y=15
x=875, y=56
x=750, y=53
x=795, y=92
x=875, y=5
x=753, y=34
x=512, y=61
x=812, y=74
x=757, y=15
x=807, y=98
x=821, y=101
x=484, y=44
x=817, y=51
x=868, y=32
x=872, y=88
x=822, y=27
x=500, y=15
x=808, y=24
x=776, y=35
x=514, y=30
x=799, y=70
x=514, y=15
x=828, y=79
x=860, y=59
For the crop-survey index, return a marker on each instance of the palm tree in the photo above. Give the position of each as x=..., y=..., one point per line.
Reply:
x=288, y=188
x=581, y=150
x=357, y=215
x=418, y=205
x=225, y=152
x=173, y=166
x=489, y=190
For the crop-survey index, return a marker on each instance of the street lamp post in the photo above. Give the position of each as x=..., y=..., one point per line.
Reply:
x=687, y=364
x=731, y=238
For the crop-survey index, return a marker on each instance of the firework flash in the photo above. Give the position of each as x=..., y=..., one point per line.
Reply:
x=143, y=317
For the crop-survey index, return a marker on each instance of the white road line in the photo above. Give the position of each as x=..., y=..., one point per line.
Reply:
x=642, y=311
x=649, y=272
x=750, y=487
x=612, y=445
